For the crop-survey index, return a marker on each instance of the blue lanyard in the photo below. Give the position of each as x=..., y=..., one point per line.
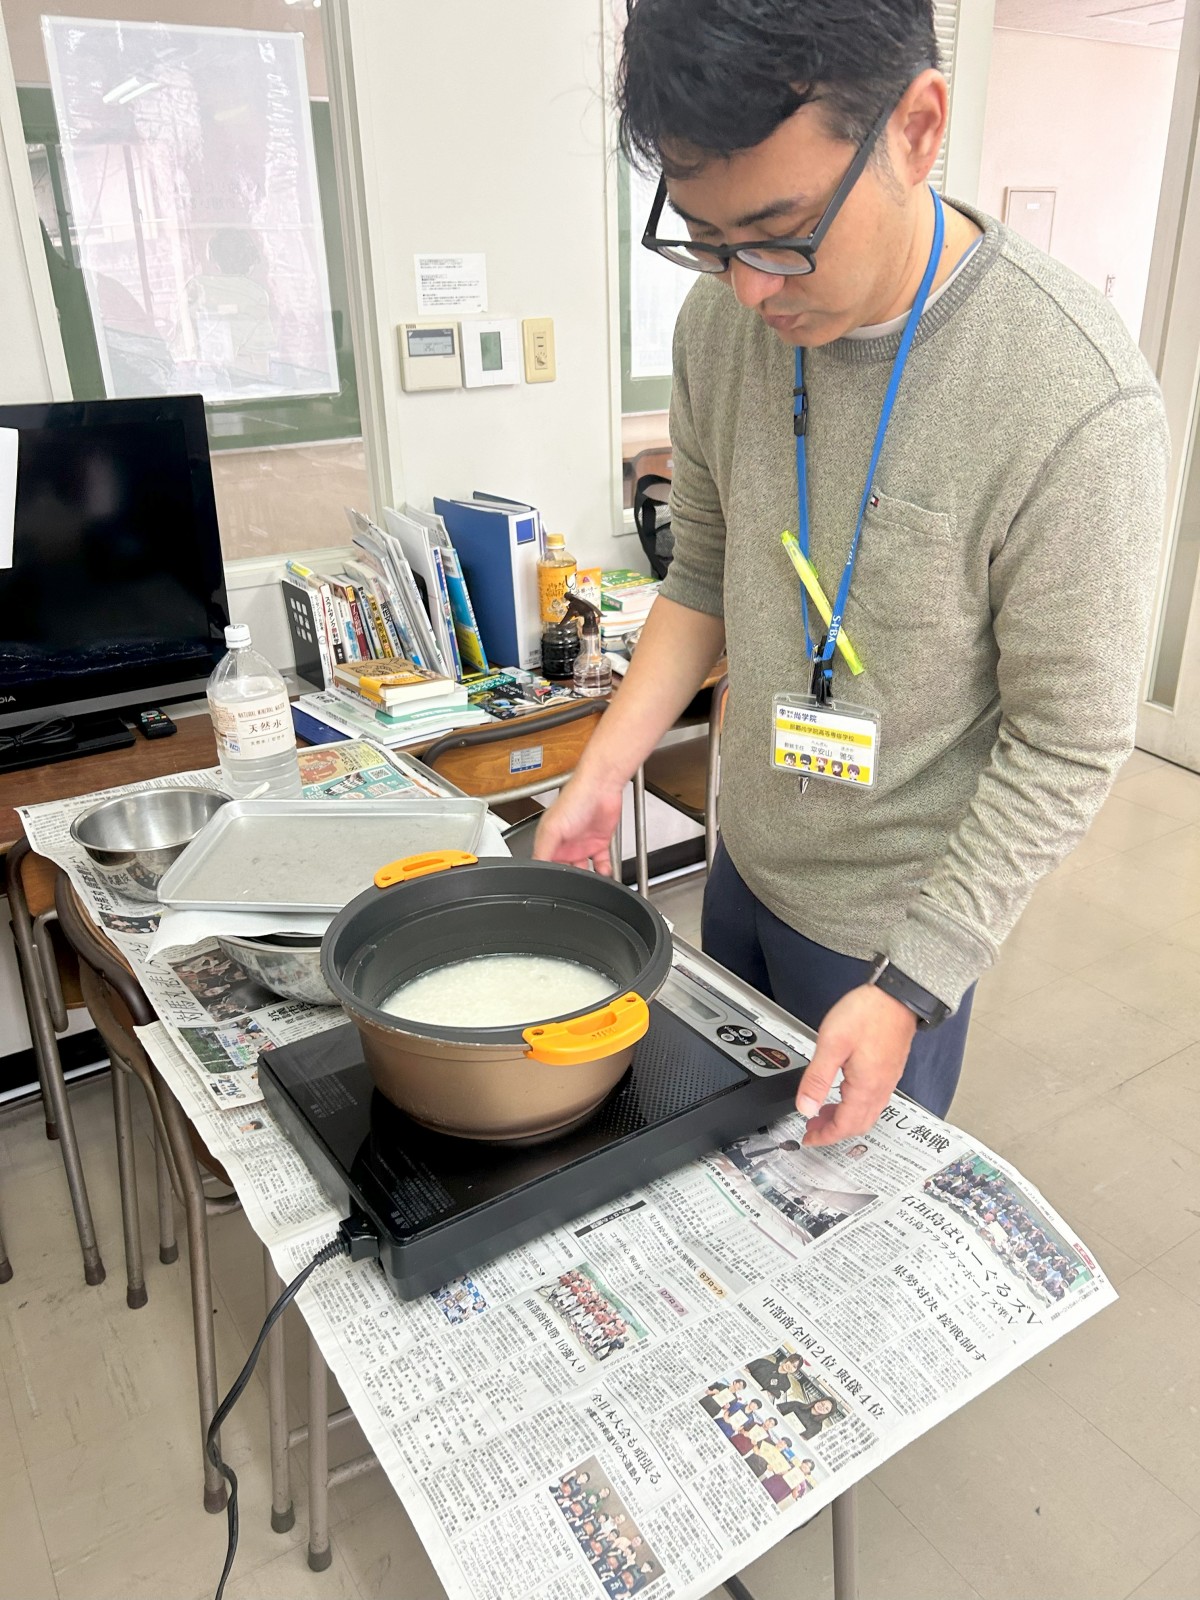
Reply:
x=825, y=655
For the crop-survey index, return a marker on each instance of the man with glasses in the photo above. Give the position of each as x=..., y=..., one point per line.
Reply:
x=933, y=684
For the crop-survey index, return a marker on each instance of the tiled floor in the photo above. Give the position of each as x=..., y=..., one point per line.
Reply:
x=1077, y=1478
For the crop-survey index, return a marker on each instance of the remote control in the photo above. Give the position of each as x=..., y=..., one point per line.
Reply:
x=155, y=724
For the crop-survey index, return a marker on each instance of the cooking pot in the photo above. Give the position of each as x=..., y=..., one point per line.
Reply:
x=510, y=1083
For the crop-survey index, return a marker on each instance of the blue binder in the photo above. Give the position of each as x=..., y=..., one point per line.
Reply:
x=498, y=549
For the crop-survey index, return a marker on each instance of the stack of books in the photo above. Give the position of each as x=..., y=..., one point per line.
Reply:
x=398, y=702
x=389, y=686
x=402, y=596
x=625, y=601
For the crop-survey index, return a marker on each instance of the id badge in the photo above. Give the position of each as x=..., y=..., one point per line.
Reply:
x=834, y=741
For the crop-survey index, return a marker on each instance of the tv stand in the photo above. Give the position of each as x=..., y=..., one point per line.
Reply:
x=21, y=748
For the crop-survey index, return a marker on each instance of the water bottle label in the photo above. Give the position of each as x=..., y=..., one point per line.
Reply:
x=254, y=728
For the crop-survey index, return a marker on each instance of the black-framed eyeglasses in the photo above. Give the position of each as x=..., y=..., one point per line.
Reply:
x=785, y=258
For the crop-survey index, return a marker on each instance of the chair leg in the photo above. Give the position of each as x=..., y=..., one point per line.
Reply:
x=5, y=1264
x=845, y=1545
x=639, y=831
x=320, y=1556
x=201, y=1278
x=283, y=1512
x=44, y=1086
x=54, y=1086
x=135, y=1272
x=168, y=1248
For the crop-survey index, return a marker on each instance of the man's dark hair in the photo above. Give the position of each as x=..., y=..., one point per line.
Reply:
x=717, y=76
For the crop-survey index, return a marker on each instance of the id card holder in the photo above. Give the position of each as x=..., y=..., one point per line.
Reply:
x=834, y=741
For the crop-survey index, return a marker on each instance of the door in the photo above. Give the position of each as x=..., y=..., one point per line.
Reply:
x=1169, y=722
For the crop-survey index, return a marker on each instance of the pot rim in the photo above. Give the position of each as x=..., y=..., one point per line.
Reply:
x=647, y=983
x=507, y=1039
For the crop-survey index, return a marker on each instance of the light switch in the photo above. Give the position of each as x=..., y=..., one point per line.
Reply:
x=538, y=335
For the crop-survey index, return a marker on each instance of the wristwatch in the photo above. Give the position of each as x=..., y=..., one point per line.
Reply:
x=927, y=1008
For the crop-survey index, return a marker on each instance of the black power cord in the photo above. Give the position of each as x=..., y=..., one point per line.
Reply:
x=340, y=1244
x=49, y=735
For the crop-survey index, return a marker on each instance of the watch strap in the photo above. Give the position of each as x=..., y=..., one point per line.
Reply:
x=927, y=1008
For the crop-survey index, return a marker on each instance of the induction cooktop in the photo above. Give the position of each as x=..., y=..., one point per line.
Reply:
x=717, y=1062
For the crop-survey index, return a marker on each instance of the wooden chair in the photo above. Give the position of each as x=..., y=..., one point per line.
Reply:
x=686, y=776
x=515, y=760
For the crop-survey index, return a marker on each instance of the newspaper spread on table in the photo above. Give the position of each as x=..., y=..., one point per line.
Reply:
x=219, y=1015
x=645, y=1401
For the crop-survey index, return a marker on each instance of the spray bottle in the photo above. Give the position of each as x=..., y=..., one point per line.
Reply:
x=593, y=674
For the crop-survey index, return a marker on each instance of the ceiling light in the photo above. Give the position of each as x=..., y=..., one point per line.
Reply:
x=1131, y=15
x=142, y=88
x=121, y=88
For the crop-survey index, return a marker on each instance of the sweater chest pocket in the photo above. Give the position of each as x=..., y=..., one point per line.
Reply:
x=903, y=566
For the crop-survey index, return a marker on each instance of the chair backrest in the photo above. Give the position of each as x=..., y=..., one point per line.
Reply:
x=652, y=470
x=527, y=754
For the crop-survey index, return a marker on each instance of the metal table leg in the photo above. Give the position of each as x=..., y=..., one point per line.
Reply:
x=641, y=853
x=135, y=1272
x=283, y=1512
x=712, y=781
x=196, y=1213
x=5, y=1264
x=168, y=1248
x=845, y=1552
x=320, y=1555
x=845, y=1545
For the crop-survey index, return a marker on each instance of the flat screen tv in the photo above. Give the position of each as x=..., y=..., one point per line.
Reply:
x=112, y=588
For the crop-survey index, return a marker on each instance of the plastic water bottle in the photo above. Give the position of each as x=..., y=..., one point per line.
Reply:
x=248, y=702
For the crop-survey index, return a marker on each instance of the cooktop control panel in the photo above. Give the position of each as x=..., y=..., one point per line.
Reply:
x=743, y=1025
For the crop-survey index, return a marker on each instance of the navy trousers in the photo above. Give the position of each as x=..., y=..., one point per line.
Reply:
x=807, y=979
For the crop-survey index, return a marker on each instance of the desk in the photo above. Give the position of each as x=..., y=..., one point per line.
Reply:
x=193, y=746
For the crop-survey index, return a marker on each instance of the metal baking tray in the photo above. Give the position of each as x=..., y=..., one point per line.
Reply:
x=310, y=855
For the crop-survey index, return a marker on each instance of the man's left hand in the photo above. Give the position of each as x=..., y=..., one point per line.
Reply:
x=866, y=1036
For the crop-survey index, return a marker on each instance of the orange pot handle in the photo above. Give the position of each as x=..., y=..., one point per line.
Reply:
x=410, y=867
x=616, y=1026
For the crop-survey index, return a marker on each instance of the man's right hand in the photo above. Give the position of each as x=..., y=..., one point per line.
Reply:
x=579, y=826
x=675, y=651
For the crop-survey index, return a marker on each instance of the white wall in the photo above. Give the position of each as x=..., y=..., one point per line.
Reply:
x=508, y=157
x=1090, y=120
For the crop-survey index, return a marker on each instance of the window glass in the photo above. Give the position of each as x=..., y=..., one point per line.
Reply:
x=652, y=291
x=183, y=168
x=191, y=178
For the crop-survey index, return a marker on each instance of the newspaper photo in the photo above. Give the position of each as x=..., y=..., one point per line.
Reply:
x=646, y=1400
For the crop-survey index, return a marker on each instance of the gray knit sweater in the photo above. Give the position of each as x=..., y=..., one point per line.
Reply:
x=1000, y=602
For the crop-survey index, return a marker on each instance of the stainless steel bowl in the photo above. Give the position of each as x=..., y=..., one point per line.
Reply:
x=289, y=964
x=133, y=839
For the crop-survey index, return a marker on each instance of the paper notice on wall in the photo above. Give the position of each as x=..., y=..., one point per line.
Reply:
x=9, y=439
x=451, y=283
